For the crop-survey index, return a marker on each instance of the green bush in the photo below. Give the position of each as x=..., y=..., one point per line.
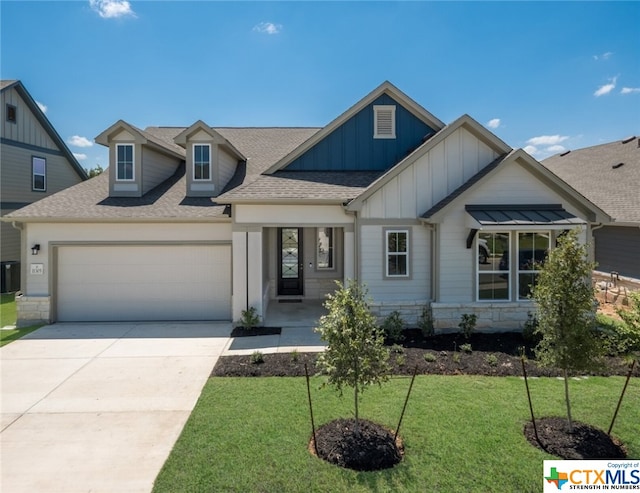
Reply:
x=430, y=357
x=425, y=322
x=466, y=348
x=256, y=358
x=529, y=330
x=393, y=326
x=491, y=359
x=468, y=324
x=249, y=318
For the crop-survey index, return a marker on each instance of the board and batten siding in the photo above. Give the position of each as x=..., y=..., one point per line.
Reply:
x=416, y=288
x=156, y=168
x=27, y=128
x=510, y=185
x=351, y=146
x=618, y=249
x=432, y=177
x=10, y=240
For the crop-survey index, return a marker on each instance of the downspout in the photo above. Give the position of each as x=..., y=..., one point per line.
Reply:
x=246, y=269
x=356, y=242
x=23, y=264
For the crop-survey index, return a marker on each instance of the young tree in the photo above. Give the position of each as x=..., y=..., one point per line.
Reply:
x=95, y=171
x=355, y=356
x=629, y=334
x=566, y=311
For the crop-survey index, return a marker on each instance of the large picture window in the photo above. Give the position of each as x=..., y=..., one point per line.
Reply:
x=39, y=174
x=493, y=266
x=202, y=162
x=533, y=248
x=124, y=162
x=397, y=253
x=325, y=249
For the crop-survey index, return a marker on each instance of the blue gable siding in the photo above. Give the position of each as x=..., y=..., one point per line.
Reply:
x=351, y=146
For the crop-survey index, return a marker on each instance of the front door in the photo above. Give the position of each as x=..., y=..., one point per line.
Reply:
x=290, y=279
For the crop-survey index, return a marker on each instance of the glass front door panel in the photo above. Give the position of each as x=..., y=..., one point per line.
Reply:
x=290, y=251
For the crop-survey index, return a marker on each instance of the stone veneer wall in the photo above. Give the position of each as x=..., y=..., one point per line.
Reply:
x=409, y=310
x=493, y=317
x=33, y=310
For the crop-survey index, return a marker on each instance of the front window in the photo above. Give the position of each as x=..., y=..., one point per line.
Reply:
x=124, y=162
x=532, y=253
x=324, y=254
x=493, y=266
x=202, y=162
x=39, y=174
x=12, y=113
x=397, y=253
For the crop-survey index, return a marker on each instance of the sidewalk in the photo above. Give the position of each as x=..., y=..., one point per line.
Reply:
x=302, y=339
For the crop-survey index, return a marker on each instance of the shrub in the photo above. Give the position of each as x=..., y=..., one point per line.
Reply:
x=491, y=359
x=392, y=327
x=295, y=355
x=397, y=348
x=249, y=318
x=400, y=359
x=430, y=357
x=466, y=348
x=529, y=329
x=468, y=324
x=256, y=358
x=425, y=322
x=456, y=357
x=629, y=333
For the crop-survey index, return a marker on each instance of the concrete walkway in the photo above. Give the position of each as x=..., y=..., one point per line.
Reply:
x=98, y=407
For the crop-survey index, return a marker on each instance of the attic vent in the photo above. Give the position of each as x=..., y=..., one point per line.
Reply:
x=564, y=153
x=628, y=139
x=384, y=122
x=616, y=166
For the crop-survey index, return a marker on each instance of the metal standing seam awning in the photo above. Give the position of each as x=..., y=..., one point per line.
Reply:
x=480, y=216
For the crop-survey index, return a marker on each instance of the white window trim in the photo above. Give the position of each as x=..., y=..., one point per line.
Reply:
x=34, y=174
x=407, y=254
x=133, y=162
x=379, y=108
x=517, y=262
x=332, y=249
x=508, y=271
x=193, y=167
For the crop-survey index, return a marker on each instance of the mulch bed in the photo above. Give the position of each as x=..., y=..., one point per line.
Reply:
x=585, y=442
x=492, y=354
x=374, y=448
x=255, y=331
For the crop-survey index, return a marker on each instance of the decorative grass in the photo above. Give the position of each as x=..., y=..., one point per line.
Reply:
x=461, y=434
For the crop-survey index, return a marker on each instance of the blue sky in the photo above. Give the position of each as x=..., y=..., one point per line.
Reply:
x=543, y=76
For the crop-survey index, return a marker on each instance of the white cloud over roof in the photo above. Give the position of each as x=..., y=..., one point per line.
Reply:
x=606, y=89
x=268, y=28
x=493, y=123
x=78, y=141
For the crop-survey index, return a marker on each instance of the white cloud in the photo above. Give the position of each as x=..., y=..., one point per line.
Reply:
x=604, y=56
x=607, y=88
x=493, y=123
x=556, y=148
x=43, y=107
x=79, y=156
x=109, y=9
x=268, y=28
x=533, y=150
x=78, y=141
x=546, y=140
x=629, y=90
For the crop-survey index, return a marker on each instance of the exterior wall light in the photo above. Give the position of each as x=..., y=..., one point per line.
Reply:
x=35, y=249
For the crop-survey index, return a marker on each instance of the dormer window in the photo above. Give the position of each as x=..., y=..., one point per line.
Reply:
x=384, y=122
x=124, y=162
x=202, y=162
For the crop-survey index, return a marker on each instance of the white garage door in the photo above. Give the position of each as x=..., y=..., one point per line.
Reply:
x=163, y=282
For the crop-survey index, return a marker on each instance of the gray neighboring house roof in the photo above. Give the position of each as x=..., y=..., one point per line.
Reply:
x=607, y=174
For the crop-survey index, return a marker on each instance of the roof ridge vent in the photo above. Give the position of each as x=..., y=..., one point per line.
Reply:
x=616, y=166
x=565, y=153
x=628, y=139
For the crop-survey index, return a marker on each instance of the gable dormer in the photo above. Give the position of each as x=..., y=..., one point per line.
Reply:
x=211, y=160
x=138, y=162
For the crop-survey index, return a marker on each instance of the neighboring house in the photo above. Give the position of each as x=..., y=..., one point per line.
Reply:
x=35, y=163
x=609, y=176
x=202, y=223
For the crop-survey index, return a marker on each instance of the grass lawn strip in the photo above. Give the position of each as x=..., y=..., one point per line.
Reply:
x=461, y=433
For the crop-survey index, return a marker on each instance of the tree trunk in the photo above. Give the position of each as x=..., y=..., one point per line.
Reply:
x=566, y=397
x=355, y=398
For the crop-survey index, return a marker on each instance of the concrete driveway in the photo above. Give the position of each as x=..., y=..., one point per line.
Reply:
x=98, y=407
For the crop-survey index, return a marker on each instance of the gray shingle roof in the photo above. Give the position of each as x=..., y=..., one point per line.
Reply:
x=90, y=200
x=592, y=171
x=298, y=185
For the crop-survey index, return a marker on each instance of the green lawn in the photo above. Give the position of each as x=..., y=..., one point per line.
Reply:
x=8, y=317
x=462, y=434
